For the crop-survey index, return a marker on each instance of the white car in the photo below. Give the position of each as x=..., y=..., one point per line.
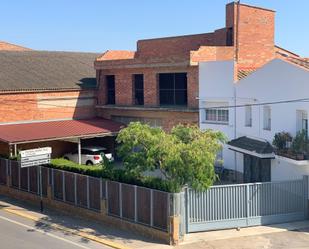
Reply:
x=90, y=155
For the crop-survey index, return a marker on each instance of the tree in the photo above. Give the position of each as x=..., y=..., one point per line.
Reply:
x=185, y=156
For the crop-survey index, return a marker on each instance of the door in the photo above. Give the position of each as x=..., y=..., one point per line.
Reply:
x=256, y=169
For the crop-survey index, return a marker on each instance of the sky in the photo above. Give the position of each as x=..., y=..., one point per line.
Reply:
x=99, y=25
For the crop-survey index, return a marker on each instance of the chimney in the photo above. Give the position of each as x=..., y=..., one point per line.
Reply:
x=253, y=34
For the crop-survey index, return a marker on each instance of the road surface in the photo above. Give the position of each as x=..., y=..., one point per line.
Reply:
x=20, y=233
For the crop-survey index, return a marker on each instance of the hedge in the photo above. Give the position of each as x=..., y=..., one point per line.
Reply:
x=118, y=175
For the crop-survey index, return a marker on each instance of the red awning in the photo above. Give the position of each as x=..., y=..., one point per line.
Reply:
x=57, y=130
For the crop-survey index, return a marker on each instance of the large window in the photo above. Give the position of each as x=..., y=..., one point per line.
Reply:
x=267, y=118
x=110, y=83
x=138, y=89
x=173, y=88
x=229, y=37
x=248, y=116
x=213, y=115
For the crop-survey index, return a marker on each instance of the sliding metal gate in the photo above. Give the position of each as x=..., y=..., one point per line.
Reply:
x=243, y=205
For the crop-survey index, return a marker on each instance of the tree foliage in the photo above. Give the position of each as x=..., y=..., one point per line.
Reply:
x=185, y=156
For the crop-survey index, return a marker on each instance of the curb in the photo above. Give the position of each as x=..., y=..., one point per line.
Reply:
x=68, y=230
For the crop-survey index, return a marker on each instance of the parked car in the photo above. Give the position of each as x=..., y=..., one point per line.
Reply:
x=90, y=155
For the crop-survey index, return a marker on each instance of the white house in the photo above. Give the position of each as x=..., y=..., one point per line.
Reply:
x=274, y=98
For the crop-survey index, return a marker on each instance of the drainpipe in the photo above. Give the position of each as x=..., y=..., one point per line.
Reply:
x=235, y=131
x=236, y=57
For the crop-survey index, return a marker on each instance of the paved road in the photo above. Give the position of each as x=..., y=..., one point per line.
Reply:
x=19, y=233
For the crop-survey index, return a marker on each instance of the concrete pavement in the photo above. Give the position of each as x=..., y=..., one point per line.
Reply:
x=297, y=239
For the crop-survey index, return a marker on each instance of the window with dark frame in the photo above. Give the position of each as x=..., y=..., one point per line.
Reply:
x=138, y=89
x=229, y=37
x=110, y=83
x=173, y=88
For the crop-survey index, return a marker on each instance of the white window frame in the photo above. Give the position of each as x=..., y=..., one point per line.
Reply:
x=221, y=116
x=267, y=118
x=248, y=116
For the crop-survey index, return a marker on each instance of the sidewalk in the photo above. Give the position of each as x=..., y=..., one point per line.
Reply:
x=244, y=232
x=49, y=219
x=117, y=238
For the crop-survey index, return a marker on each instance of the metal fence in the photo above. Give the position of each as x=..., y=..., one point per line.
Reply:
x=142, y=205
x=244, y=205
x=130, y=202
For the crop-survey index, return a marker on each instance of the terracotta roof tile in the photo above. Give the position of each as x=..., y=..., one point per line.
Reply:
x=296, y=60
x=116, y=55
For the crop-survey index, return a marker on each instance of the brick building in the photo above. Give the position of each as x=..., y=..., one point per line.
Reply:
x=41, y=93
x=158, y=83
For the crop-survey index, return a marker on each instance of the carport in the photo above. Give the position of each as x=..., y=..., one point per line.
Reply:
x=72, y=131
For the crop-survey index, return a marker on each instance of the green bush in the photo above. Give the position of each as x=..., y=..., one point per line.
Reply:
x=119, y=175
x=300, y=142
x=63, y=164
x=281, y=139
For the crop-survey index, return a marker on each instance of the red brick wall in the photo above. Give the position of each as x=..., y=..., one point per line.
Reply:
x=212, y=53
x=253, y=34
x=253, y=39
x=44, y=106
x=173, y=46
x=169, y=118
x=123, y=83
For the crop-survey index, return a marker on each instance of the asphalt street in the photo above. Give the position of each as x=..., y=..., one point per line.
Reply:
x=19, y=233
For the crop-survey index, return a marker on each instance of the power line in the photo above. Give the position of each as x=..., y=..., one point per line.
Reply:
x=257, y=104
x=24, y=101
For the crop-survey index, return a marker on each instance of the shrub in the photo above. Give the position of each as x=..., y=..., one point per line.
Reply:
x=63, y=164
x=300, y=142
x=108, y=172
x=281, y=139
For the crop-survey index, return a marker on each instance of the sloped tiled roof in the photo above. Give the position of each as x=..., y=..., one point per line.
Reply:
x=41, y=70
x=116, y=55
x=252, y=145
x=296, y=60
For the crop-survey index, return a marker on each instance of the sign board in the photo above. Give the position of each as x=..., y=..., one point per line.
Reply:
x=35, y=157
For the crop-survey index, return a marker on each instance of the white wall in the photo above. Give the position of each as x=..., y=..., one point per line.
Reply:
x=283, y=169
x=276, y=81
x=216, y=86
